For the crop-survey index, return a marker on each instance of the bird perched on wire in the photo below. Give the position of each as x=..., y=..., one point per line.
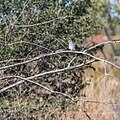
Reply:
x=71, y=45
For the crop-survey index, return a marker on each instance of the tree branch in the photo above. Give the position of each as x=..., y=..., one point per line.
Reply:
x=60, y=52
x=102, y=43
x=11, y=86
x=56, y=92
x=40, y=75
x=40, y=85
x=53, y=71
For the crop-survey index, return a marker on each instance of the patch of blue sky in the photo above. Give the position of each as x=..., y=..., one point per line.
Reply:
x=113, y=12
x=112, y=1
x=69, y=2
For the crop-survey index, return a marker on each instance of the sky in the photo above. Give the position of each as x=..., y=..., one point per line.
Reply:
x=113, y=12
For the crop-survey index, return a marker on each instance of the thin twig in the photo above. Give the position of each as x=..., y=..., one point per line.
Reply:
x=105, y=91
x=52, y=91
x=96, y=102
x=46, y=22
x=24, y=6
x=71, y=61
x=30, y=44
x=85, y=112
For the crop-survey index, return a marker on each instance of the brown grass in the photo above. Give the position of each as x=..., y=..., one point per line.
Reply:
x=103, y=89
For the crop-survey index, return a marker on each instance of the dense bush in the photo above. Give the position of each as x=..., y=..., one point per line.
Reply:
x=31, y=28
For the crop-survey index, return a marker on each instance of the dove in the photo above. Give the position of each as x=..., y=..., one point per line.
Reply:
x=71, y=45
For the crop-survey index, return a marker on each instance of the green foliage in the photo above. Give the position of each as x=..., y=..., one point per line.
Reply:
x=108, y=13
x=31, y=28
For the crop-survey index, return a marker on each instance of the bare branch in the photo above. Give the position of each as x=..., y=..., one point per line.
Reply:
x=26, y=79
x=39, y=75
x=40, y=85
x=11, y=86
x=14, y=59
x=102, y=43
x=53, y=71
x=61, y=70
x=60, y=52
x=52, y=91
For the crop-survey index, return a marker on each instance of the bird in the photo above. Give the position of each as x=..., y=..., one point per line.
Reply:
x=71, y=45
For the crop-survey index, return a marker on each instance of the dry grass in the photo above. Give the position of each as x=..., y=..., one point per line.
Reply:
x=103, y=89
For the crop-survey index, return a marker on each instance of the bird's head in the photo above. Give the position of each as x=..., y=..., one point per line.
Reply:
x=69, y=41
